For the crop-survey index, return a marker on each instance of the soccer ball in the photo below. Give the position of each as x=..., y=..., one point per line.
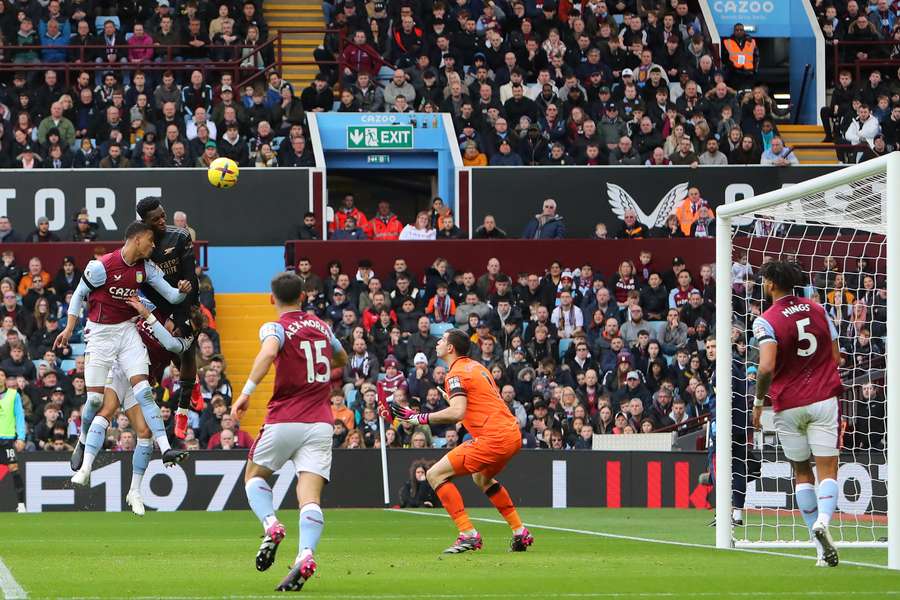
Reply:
x=223, y=172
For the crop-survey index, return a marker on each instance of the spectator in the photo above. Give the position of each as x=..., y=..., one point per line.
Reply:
x=384, y=225
x=624, y=153
x=398, y=86
x=689, y=210
x=505, y=156
x=704, y=225
x=684, y=155
x=741, y=59
x=420, y=231
x=546, y=225
x=778, y=155
x=42, y=234
x=56, y=121
x=346, y=210
x=416, y=492
x=449, y=230
x=7, y=233
x=713, y=156
x=489, y=230
x=631, y=228
x=863, y=128
x=318, y=96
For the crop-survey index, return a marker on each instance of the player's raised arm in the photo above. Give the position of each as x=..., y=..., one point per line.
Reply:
x=157, y=281
x=271, y=336
x=93, y=277
x=171, y=343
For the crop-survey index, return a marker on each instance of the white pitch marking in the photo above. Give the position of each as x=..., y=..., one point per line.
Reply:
x=630, y=538
x=8, y=584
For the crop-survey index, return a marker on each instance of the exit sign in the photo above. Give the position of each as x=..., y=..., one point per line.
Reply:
x=379, y=137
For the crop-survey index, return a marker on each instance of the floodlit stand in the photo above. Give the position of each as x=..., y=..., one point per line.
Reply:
x=823, y=203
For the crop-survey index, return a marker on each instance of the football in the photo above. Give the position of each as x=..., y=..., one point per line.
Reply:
x=223, y=173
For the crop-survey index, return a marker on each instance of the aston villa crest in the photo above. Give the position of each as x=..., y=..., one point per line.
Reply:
x=139, y=276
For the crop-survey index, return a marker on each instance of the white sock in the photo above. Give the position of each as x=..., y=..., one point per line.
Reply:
x=737, y=515
x=269, y=521
x=519, y=530
x=163, y=443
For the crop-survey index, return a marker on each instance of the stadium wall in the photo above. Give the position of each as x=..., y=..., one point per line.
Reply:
x=264, y=209
x=515, y=255
x=211, y=480
x=590, y=195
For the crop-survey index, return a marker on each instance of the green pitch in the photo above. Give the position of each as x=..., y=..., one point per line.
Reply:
x=382, y=555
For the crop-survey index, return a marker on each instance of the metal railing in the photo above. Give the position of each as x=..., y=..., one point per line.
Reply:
x=168, y=58
x=858, y=65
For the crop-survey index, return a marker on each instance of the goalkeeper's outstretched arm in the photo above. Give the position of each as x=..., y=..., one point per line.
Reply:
x=451, y=415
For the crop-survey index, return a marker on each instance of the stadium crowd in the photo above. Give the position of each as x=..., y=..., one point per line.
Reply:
x=152, y=85
x=591, y=83
x=620, y=83
x=863, y=112
x=35, y=299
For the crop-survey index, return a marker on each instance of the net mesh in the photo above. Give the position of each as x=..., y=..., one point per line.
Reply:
x=838, y=238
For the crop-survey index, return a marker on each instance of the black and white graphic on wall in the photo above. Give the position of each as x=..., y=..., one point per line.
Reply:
x=621, y=201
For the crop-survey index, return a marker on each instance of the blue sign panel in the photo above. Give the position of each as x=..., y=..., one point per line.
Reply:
x=768, y=18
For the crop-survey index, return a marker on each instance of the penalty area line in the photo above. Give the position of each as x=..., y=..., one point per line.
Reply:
x=9, y=586
x=631, y=538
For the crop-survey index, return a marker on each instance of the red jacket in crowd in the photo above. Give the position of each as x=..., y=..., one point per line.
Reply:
x=385, y=227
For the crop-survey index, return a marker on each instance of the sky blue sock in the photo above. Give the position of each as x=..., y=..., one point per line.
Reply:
x=95, y=437
x=139, y=462
x=143, y=393
x=828, y=498
x=312, y=523
x=259, y=495
x=807, y=503
x=88, y=411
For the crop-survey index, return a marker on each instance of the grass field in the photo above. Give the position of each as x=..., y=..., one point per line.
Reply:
x=386, y=555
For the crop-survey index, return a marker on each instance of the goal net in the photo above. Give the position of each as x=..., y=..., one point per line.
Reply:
x=837, y=229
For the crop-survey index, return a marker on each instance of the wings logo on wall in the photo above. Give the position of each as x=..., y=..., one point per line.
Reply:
x=620, y=201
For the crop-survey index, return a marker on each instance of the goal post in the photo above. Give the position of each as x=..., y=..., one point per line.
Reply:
x=844, y=216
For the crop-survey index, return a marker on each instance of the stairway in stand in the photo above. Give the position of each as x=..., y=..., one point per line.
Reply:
x=238, y=318
x=821, y=154
x=284, y=15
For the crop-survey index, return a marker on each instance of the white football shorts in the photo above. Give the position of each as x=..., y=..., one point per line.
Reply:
x=118, y=382
x=118, y=343
x=308, y=445
x=811, y=429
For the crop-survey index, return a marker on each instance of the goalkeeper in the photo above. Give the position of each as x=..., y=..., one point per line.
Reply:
x=474, y=400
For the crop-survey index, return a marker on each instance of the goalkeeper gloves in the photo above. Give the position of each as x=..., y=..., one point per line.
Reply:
x=407, y=414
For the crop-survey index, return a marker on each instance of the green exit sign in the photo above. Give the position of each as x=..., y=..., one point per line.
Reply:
x=379, y=137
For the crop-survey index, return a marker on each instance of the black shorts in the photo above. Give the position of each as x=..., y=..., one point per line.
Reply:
x=8, y=452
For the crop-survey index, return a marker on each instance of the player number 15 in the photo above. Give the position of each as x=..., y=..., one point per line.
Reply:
x=313, y=351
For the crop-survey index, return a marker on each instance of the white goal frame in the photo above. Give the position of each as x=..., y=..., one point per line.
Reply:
x=889, y=165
